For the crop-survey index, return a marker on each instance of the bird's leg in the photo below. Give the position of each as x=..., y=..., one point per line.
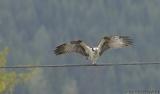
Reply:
x=93, y=62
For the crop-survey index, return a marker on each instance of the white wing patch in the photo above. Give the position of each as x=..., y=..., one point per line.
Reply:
x=119, y=42
x=116, y=42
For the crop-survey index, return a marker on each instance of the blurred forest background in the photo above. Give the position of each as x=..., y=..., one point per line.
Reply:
x=31, y=29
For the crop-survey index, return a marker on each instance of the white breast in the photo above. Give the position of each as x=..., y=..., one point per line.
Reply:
x=93, y=56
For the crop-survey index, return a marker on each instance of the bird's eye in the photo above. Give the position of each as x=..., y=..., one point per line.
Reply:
x=92, y=49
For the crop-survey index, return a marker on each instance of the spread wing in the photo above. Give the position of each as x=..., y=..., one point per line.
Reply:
x=114, y=42
x=74, y=46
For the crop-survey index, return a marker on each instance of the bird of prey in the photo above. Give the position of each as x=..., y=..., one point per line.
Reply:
x=93, y=53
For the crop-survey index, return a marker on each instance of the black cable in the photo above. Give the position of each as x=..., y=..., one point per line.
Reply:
x=80, y=65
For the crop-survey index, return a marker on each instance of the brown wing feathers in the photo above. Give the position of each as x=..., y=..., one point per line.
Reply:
x=73, y=46
x=79, y=48
x=108, y=42
x=104, y=44
x=60, y=49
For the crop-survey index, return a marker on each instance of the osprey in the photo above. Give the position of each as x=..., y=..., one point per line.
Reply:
x=93, y=53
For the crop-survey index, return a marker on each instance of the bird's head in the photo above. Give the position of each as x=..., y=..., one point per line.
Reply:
x=94, y=49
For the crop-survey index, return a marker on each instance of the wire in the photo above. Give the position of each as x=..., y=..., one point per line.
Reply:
x=80, y=65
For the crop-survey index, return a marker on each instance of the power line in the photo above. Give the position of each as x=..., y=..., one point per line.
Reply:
x=80, y=65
